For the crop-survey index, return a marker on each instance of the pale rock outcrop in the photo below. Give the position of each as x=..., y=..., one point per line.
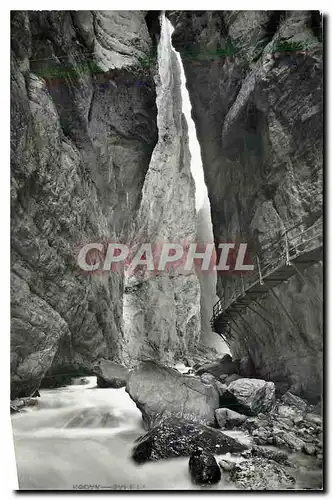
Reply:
x=160, y=392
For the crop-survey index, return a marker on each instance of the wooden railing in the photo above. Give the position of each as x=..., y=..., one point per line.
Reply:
x=287, y=246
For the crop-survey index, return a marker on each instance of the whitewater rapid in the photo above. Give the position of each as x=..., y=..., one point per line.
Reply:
x=81, y=437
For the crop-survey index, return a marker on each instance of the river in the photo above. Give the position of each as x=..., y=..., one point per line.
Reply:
x=80, y=437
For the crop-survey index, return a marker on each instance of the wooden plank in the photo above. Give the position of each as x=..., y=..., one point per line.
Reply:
x=278, y=275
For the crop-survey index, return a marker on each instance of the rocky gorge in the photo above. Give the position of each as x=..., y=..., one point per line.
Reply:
x=94, y=160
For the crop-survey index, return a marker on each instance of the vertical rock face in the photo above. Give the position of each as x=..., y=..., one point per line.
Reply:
x=162, y=310
x=82, y=134
x=207, y=282
x=258, y=115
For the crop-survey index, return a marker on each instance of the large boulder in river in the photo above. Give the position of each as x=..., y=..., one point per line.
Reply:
x=110, y=374
x=249, y=396
x=224, y=366
x=178, y=437
x=203, y=468
x=159, y=392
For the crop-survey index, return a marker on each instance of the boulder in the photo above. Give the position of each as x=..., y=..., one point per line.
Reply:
x=289, y=412
x=261, y=474
x=224, y=366
x=204, y=468
x=292, y=400
x=309, y=449
x=280, y=428
x=110, y=374
x=175, y=437
x=277, y=455
x=209, y=379
x=284, y=438
x=313, y=418
x=227, y=465
x=249, y=396
x=228, y=419
x=159, y=392
x=16, y=405
x=230, y=378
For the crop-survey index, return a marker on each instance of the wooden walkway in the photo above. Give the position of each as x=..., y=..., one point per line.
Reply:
x=291, y=253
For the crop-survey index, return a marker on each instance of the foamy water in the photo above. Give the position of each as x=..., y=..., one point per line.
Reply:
x=81, y=436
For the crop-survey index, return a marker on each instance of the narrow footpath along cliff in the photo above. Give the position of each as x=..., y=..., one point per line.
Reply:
x=258, y=113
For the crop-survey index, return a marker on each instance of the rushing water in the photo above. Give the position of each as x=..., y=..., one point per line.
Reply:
x=83, y=435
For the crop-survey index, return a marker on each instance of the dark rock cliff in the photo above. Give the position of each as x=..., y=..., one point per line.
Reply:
x=82, y=134
x=84, y=127
x=255, y=84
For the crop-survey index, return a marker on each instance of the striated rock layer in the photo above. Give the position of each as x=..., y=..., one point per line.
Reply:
x=81, y=143
x=162, y=309
x=258, y=116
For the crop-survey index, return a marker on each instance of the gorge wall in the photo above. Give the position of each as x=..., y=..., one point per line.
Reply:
x=258, y=116
x=162, y=309
x=99, y=153
x=82, y=136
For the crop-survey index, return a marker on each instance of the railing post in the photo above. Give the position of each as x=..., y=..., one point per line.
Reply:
x=261, y=281
x=287, y=249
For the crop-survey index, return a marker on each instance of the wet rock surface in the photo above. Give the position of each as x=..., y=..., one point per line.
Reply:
x=204, y=468
x=249, y=396
x=17, y=405
x=278, y=456
x=110, y=374
x=288, y=427
x=175, y=437
x=161, y=392
x=261, y=474
x=228, y=419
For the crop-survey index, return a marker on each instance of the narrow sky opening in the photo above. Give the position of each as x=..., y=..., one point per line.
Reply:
x=204, y=221
x=201, y=194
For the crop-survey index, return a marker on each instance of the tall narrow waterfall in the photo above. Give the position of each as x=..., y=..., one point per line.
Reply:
x=204, y=221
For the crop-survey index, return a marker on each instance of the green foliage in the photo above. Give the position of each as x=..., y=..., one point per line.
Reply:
x=286, y=46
